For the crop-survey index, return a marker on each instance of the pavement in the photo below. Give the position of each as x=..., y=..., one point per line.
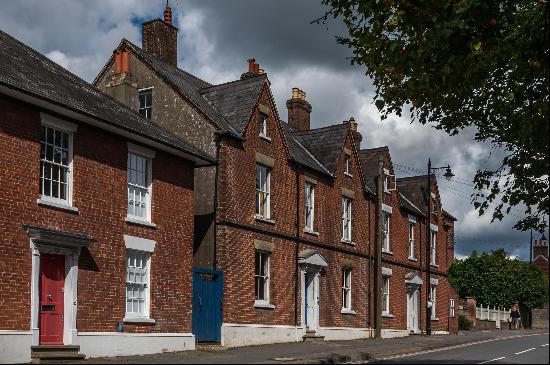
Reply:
x=470, y=347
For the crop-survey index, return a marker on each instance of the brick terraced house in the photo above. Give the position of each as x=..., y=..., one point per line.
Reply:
x=96, y=224
x=285, y=224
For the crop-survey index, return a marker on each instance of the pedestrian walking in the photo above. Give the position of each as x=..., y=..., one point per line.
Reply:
x=515, y=315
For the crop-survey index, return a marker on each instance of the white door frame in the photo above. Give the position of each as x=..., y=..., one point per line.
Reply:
x=313, y=289
x=413, y=291
x=70, y=290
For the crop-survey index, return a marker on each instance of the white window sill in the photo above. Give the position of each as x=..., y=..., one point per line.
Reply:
x=413, y=258
x=434, y=265
x=263, y=219
x=140, y=222
x=387, y=251
x=348, y=174
x=52, y=204
x=387, y=192
x=263, y=305
x=348, y=242
x=348, y=311
x=387, y=315
x=435, y=319
x=308, y=231
x=138, y=320
x=265, y=137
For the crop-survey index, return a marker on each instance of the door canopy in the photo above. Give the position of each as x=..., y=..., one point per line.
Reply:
x=413, y=279
x=311, y=260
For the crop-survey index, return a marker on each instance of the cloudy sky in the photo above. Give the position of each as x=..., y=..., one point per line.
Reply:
x=215, y=39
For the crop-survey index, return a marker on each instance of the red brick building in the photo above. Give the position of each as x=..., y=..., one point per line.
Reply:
x=286, y=232
x=540, y=254
x=96, y=221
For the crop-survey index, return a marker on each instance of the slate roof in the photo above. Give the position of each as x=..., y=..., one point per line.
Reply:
x=325, y=144
x=415, y=188
x=408, y=205
x=185, y=83
x=25, y=70
x=235, y=100
x=369, y=163
x=299, y=153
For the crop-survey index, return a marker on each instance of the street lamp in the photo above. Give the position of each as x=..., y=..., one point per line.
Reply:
x=448, y=175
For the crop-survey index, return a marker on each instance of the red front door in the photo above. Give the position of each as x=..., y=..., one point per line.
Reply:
x=52, y=281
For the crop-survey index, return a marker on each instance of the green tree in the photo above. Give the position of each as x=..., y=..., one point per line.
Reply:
x=459, y=64
x=496, y=280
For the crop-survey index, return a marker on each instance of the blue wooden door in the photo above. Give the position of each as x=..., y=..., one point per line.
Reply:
x=207, y=304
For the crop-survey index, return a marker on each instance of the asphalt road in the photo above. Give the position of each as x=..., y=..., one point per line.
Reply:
x=530, y=349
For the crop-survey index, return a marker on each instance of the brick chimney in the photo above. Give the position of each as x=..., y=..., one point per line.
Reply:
x=253, y=69
x=160, y=38
x=121, y=84
x=299, y=110
x=357, y=137
x=540, y=247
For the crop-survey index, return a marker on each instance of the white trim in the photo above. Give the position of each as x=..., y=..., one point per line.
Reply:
x=149, y=197
x=139, y=150
x=348, y=311
x=386, y=208
x=144, y=317
x=391, y=333
x=15, y=347
x=344, y=333
x=134, y=220
x=434, y=281
x=434, y=227
x=236, y=334
x=58, y=123
x=412, y=218
x=146, y=88
x=262, y=304
x=138, y=243
x=387, y=271
x=138, y=320
x=44, y=200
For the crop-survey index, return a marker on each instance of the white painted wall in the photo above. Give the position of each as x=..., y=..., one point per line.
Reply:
x=15, y=346
x=389, y=333
x=98, y=344
x=235, y=335
x=344, y=333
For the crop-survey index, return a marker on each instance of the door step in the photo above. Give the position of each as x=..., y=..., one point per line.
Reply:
x=50, y=354
x=311, y=336
x=209, y=347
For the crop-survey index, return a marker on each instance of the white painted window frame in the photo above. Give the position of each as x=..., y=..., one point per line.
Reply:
x=266, y=189
x=148, y=155
x=346, y=289
x=412, y=226
x=433, y=248
x=265, y=302
x=386, y=295
x=309, y=193
x=70, y=129
x=346, y=218
x=386, y=242
x=433, y=298
x=263, y=125
x=452, y=308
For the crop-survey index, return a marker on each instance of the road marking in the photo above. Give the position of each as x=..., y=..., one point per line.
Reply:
x=544, y=345
x=498, y=358
x=454, y=347
x=521, y=352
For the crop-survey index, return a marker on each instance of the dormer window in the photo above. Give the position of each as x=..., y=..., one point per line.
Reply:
x=146, y=102
x=263, y=125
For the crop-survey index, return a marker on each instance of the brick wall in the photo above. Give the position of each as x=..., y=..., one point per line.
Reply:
x=99, y=193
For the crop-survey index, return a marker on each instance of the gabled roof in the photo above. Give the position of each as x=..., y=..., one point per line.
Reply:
x=235, y=100
x=24, y=70
x=325, y=144
x=414, y=188
x=408, y=205
x=369, y=163
x=448, y=215
x=184, y=83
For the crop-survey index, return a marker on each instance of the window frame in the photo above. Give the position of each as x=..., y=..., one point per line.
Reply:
x=148, y=157
x=265, y=277
x=346, y=218
x=433, y=299
x=259, y=191
x=347, y=165
x=346, y=289
x=386, y=295
x=386, y=242
x=433, y=248
x=150, y=107
x=412, y=226
x=146, y=315
x=311, y=226
x=263, y=125
x=452, y=308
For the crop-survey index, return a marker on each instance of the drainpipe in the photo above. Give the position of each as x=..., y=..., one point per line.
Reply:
x=420, y=313
x=378, y=262
x=297, y=246
x=218, y=145
x=369, y=301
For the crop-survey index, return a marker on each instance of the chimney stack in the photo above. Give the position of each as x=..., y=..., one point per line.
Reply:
x=357, y=137
x=299, y=110
x=253, y=69
x=160, y=38
x=121, y=84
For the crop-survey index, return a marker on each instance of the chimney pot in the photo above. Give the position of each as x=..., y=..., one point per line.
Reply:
x=295, y=93
x=125, y=62
x=251, y=62
x=168, y=14
x=256, y=69
x=118, y=62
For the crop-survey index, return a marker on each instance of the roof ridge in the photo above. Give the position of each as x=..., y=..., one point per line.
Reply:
x=311, y=155
x=320, y=129
x=209, y=88
x=364, y=150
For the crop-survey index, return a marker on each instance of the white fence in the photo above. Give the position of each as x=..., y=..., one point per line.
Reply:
x=492, y=314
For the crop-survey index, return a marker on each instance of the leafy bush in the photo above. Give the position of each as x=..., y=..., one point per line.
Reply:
x=464, y=323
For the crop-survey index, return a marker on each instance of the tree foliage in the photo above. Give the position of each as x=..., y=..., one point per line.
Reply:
x=465, y=63
x=497, y=280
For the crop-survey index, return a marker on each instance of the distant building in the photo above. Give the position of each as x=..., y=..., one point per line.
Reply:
x=540, y=254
